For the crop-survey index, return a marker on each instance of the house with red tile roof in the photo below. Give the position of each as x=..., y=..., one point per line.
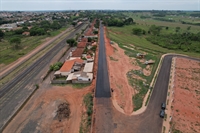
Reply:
x=78, y=52
x=82, y=44
x=69, y=66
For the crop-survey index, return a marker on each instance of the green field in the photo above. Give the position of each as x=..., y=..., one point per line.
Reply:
x=124, y=36
x=9, y=54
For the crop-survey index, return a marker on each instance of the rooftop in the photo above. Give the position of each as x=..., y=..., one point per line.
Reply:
x=81, y=44
x=88, y=67
x=67, y=66
x=78, y=52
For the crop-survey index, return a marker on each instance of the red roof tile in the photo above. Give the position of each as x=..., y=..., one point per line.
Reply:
x=78, y=52
x=67, y=66
x=81, y=45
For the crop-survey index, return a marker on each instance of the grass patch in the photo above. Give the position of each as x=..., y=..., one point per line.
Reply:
x=113, y=59
x=141, y=89
x=87, y=117
x=124, y=35
x=176, y=131
x=28, y=43
x=148, y=98
x=164, y=128
x=80, y=85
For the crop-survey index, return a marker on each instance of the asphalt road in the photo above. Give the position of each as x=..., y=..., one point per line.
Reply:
x=109, y=120
x=102, y=85
x=13, y=94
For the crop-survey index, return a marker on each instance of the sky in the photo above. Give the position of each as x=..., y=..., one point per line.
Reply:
x=33, y=5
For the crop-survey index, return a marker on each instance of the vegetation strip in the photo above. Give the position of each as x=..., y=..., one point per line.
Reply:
x=87, y=117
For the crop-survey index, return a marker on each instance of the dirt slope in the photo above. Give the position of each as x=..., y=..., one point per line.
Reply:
x=119, y=64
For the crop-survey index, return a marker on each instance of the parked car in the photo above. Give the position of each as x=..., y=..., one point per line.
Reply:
x=163, y=106
x=162, y=113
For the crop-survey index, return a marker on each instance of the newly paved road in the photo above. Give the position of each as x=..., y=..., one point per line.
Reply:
x=13, y=95
x=109, y=120
x=102, y=85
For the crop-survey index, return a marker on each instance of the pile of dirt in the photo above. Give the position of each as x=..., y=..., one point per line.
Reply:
x=63, y=111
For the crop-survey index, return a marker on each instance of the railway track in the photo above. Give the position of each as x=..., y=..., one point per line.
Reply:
x=13, y=93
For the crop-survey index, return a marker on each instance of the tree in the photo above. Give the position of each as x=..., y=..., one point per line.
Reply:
x=1, y=34
x=89, y=39
x=129, y=21
x=155, y=29
x=19, y=31
x=167, y=28
x=72, y=42
x=25, y=28
x=74, y=23
x=95, y=32
x=55, y=25
x=188, y=28
x=137, y=31
x=178, y=29
x=16, y=41
x=37, y=31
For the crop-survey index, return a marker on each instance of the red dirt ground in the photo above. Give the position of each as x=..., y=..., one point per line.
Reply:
x=90, y=31
x=42, y=110
x=186, y=106
x=122, y=91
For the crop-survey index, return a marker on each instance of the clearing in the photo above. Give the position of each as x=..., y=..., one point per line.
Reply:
x=39, y=114
x=186, y=105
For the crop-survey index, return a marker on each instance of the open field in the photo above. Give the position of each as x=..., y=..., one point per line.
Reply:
x=185, y=108
x=9, y=54
x=124, y=35
x=176, y=18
